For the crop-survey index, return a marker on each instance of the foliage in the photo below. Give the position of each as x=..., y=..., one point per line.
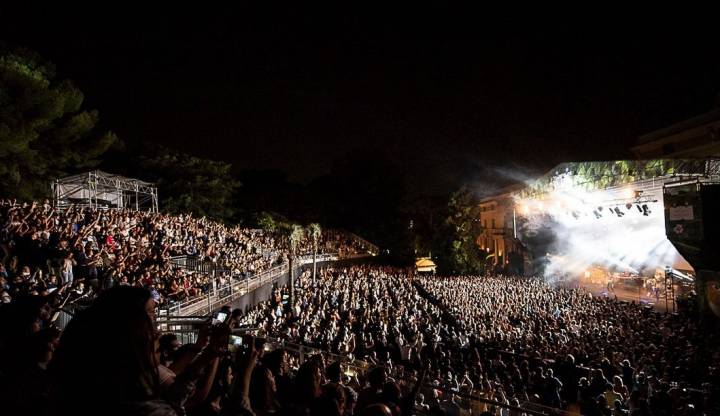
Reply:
x=456, y=247
x=314, y=231
x=44, y=133
x=188, y=183
x=266, y=221
x=297, y=234
x=270, y=221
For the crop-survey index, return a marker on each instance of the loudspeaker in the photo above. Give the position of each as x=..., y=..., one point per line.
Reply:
x=692, y=223
x=693, y=226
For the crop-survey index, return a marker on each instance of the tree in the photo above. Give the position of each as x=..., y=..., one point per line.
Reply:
x=314, y=231
x=187, y=183
x=44, y=133
x=269, y=221
x=456, y=242
x=295, y=236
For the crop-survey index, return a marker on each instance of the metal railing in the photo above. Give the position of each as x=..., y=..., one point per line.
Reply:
x=64, y=315
x=195, y=264
x=476, y=402
x=320, y=258
x=218, y=296
x=371, y=248
x=185, y=328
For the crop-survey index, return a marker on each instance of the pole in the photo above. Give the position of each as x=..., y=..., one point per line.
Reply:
x=314, y=272
x=672, y=286
x=292, y=281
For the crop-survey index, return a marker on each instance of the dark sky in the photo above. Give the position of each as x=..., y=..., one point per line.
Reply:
x=448, y=94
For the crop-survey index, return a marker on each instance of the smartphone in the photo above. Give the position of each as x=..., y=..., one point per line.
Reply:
x=259, y=344
x=219, y=318
x=235, y=343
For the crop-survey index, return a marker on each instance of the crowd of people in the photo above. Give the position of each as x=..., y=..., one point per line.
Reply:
x=81, y=250
x=604, y=355
x=111, y=360
x=507, y=339
x=475, y=345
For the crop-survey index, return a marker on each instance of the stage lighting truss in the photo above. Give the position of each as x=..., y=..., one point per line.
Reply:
x=611, y=206
x=642, y=203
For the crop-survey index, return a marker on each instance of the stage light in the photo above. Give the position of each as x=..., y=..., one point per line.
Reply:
x=622, y=245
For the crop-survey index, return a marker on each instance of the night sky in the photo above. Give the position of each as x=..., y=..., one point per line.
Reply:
x=451, y=96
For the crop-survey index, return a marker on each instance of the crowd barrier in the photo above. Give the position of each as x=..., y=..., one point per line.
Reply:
x=238, y=286
x=186, y=328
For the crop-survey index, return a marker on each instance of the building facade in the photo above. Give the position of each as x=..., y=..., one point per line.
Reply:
x=499, y=236
x=698, y=137
x=693, y=139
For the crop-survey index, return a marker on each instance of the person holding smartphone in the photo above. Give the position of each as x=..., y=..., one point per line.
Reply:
x=118, y=331
x=219, y=318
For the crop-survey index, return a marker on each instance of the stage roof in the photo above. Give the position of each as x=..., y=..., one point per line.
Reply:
x=83, y=177
x=595, y=175
x=425, y=264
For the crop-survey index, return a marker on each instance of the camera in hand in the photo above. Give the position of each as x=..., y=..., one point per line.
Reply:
x=219, y=318
x=235, y=343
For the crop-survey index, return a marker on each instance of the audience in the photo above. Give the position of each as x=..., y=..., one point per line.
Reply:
x=45, y=248
x=392, y=343
x=508, y=339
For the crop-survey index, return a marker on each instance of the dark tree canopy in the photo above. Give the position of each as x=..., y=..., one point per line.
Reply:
x=458, y=252
x=191, y=184
x=44, y=133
